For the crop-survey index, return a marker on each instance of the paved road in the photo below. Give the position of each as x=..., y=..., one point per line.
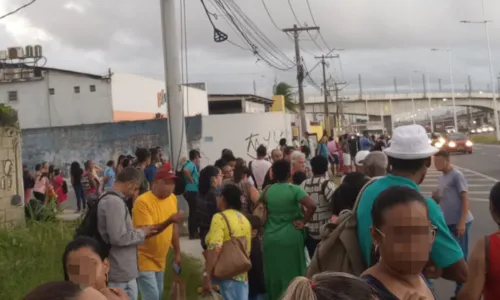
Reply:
x=482, y=170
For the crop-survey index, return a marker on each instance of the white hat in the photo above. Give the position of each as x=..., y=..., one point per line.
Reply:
x=360, y=157
x=410, y=142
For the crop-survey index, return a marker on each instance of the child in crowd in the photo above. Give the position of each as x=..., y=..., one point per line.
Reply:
x=256, y=284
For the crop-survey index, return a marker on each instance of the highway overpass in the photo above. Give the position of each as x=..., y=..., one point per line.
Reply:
x=397, y=104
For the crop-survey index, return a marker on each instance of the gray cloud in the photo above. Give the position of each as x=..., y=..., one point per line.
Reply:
x=383, y=40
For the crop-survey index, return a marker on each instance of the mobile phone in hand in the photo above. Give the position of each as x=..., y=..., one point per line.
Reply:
x=177, y=268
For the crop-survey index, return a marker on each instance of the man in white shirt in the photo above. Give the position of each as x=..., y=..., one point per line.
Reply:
x=260, y=166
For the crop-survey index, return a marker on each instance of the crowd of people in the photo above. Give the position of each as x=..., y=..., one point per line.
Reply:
x=280, y=226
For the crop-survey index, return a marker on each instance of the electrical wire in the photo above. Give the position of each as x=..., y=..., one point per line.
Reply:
x=316, y=24
x=299, y=23
x=18, y=9
x=269, y=15
x=259, y=43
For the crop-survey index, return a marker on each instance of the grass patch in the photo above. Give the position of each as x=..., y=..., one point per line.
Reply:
x=33, y=255
x=484, y=139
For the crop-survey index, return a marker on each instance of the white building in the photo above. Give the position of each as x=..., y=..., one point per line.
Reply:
x=219, y=104
x=46, y=97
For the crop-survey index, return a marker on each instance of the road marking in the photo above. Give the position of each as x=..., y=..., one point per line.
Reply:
x=477, y=173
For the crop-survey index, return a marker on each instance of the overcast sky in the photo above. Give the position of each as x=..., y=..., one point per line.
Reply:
x=382, y=40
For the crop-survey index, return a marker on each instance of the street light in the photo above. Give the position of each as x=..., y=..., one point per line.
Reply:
x=411, y=95
x=455, y=123
x=492, y=73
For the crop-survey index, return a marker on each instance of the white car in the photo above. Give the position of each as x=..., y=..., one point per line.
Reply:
x=450, y=129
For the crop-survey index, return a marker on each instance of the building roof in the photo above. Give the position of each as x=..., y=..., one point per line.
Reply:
x=21, y=65
x=248, y=97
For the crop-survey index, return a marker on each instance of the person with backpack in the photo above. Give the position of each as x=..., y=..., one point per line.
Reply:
x=191, y=178
x=321, y=190
x=484, y=261
x=284, y=257
x=116, y=232
x=259, y=167
x=410, y=155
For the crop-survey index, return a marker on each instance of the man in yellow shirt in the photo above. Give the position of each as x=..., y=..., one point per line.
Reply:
x=153, y=208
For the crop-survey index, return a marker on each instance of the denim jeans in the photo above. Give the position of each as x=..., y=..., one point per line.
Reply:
x=129, y=287
x=233, y=290
x=151, y=284
x=80, y=197
x=463, y=241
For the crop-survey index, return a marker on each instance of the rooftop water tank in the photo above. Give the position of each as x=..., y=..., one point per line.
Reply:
x=29, y=51
x=38, y=51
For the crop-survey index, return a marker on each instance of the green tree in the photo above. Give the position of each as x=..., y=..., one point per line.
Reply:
x=284, y=89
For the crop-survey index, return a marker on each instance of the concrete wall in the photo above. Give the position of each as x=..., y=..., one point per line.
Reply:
x=11, y=181
x=242, y=133
x=137, y=98
x=99, y=142
x=254, y=107
x=37, y=108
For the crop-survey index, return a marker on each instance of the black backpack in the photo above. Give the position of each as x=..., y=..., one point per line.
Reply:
x=88, y=226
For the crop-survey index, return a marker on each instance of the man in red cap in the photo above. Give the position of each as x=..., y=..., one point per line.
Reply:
x=153, y=208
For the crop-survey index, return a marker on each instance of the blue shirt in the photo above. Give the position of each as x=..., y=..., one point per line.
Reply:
x=191, y=187
x=445, y=250
x=323, y=150
x=365, y=144
x=150, y=172
x=451, y=185
x=109, y=172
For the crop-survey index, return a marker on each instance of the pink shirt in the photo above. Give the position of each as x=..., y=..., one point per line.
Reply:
x=41, y=185
x=58, y=187
x=332, y=147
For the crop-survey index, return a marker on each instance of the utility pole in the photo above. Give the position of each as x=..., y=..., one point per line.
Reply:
x=173, y=82
x=338, y=102
x=300, y=74
x=254, y=88
x=440, y=85
x=325, y=89
x=395, y=85
x=469, y=111
x=360, y=83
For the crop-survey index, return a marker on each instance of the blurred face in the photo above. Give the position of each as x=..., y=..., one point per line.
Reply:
x=299, y=165
x=131, y=190
x=441, y=163
x=227, y=171
x=196, y=161
x=86, y=268
x=217, y=180
x=277, y=155
x=324, y=139
x=91, y=294
x=405, y=239
x=232, y=164
x=163, y=188
x=45, y=167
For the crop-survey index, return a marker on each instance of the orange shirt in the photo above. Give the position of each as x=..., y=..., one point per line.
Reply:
x=149, y=210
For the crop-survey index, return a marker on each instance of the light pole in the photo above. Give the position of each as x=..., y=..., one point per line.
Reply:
x=455, y=123
x=412, y=99
x=430, y=103
x=492, y=73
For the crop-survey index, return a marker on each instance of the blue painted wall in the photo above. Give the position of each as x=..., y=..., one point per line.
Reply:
x=99, y=142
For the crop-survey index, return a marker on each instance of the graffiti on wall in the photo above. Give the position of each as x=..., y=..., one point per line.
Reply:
x=270, y=140
x=7, y=174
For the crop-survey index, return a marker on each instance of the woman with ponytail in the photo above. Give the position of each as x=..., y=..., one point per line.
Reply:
x=330, y=286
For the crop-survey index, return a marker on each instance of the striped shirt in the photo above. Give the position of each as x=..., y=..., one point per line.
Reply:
x=321, y=193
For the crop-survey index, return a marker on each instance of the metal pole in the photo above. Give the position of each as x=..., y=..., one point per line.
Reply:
x=455, y=123
x=430, y=105
x=395, y=85
x=424, y=85
x=440, y=85
x=360, y=87
x=173, y=81
x=492, y=76
x=392, y=115
x=469, y=108
x=300, y=75
x=412, y=101
x=327, y=115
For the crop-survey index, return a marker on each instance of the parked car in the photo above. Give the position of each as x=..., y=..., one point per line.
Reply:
x=450, y=129
x=456, y=142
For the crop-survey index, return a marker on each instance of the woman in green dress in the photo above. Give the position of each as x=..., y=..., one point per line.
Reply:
x=284, y=257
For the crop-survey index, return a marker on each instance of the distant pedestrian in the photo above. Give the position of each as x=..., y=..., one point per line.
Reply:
x=453, y=198
x=109, y=175
x=76, y=173
x=365, y=142
x=260, y=166
x=191, y=178
x=28, y=183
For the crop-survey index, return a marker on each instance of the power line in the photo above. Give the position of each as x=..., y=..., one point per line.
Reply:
x=298, y=23
x=269, y=15
x=17, y=9
x=315, y=24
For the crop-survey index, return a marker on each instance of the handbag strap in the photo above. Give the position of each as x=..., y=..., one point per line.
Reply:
x=264, y=194
x=228, y=225
x=358, y=198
